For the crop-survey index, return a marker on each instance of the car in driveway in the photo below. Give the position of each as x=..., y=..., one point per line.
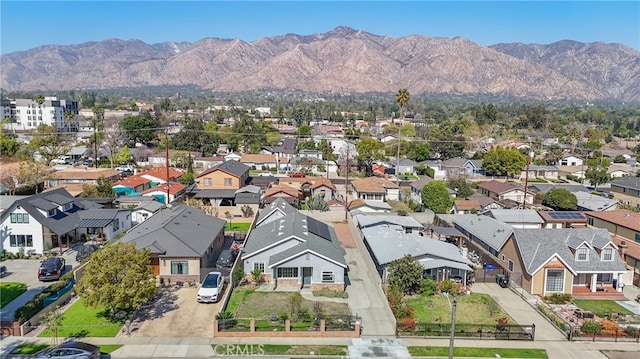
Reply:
x=211, y=288
x=71, y=350
x=226, y=258
x=51, y=269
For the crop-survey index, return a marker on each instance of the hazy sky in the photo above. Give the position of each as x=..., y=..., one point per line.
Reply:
x=28, y=24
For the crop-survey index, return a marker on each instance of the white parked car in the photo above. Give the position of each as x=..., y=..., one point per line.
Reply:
x=211, y=288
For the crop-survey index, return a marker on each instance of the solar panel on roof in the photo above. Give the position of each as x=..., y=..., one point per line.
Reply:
x=566, y=215
x=318, y=228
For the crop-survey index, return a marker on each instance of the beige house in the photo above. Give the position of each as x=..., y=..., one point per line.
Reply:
x=80, y=175
x=375, y=189
x=502, y=190
x=227, y=175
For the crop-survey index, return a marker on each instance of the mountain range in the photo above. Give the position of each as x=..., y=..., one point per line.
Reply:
x=341, y=60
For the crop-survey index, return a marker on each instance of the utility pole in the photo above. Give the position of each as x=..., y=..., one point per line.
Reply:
x=346, y=186
x=453, y=325
x=167, y=162
x=526, y=179
x=398, y=156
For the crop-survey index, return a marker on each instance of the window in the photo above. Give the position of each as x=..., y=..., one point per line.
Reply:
x=179, y=267
x=19, y=218
x=52, y=212
x=590, y=221
x=510, y=265
x=116, y=225
x=287, y=272
x=21, y=240
x=582, y=254
x=607, y=254
x=327, y=277
x=207, y=181
x=228, y=182
x=258, y=265
x=604, y=277
x=637, y=237
x=554, y=281
x=68, y=206
x=502, y=257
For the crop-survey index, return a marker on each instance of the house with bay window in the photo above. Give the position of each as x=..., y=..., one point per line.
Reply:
x=294, y=251
x=183, y=242
x=56, y=219
x=577, y=261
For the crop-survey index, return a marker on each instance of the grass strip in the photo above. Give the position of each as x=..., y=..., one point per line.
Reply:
x=10, y=291
x=477, y=352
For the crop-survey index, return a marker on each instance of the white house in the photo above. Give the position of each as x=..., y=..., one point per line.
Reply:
x=571, y=161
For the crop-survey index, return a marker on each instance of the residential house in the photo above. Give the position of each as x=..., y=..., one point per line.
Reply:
x=406, y=165
x=145, y=210
x=166, y=192
x=486, y=203
x=462, y=167
x=542, y=172
x=416, y=188
x=502, y=190
x=624, y=226
x=233, y=156
x=56, y=219
x=294, y=251
x=571, y=160
x=80, y=175
x=183, y=242
x=132, y=185
x=618, y=170
x=227, y=175
x=285, y=148
x=161, y=175
x=575, y=171
x=465, y=206
x=546, y=261
x=304, y=164
x=440, y=260
x=563, y=219
x=439, y=173
x=627, y=190
x=323, y=187
x=518, y=218
x=262, y=162
x=367, y=206
x=310, y=154
x=588, y=201
x=207, y=162
x=376, y=189
x=401, y=224
x=283, y=192
x=131, y=202
x=159, y=159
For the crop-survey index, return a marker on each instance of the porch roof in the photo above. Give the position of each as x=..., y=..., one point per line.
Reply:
x=439, y=263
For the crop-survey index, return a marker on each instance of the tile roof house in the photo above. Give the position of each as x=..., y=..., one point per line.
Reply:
x=131, y=185
x=294, y=251
x=283, y=192
x=174, y=190
x=440, y=260
x=376, y=189
x=547, y=261
x=624, y=226
x=161, y=175
x=183, y=242
x=502, y=190
x=485, y=202
x=55, y=219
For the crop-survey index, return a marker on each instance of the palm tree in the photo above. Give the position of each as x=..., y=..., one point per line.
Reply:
x=402, y=98
x=68, y=118
x=39, y=100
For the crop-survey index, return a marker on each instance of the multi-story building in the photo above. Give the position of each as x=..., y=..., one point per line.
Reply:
x=28, y=114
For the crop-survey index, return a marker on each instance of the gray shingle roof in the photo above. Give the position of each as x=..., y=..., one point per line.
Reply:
x=628, y=182
x=388, y=245
x=215, y=193
x=591, y=202
x=365, y=221
x=232, y=167
x=275, y=209
x=179, y=231
x=537, y=246
x=493, y=232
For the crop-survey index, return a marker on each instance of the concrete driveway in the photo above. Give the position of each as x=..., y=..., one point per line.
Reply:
x=26, y=271
x=177, y=313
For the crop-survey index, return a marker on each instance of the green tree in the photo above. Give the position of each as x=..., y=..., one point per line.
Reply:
x=327, y=150
x=48, y=143
x=194, y=137
x=408, y=130
x=369, y=150
x=304, y=131
x=402, y=98
x=560, y=199
x=118, y=276
x=419, y=152
x=318, y=203
x=619, y=159
x=124, y=155
x=436, y=197
x=503, y=162
x=405, y=273
x=597, y=175
x=8, y=145
x=463, y=188
x=140, y=128
x=104, y=188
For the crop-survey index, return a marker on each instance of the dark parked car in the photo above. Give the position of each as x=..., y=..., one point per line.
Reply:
x=51, y=268
x=226, y=258
x=3, y=271
x=85, y=251
x=71, y=350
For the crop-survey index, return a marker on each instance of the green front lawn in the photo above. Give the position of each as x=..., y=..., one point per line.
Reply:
x=601, y=307
x=261, y=305
x=81, y=321
x=477, y=352
x=471, y=309
x=240, y=226
x=10, y=291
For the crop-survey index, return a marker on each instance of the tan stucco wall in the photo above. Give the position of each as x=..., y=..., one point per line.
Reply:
x=194, y=266
x=217, y=181
x=615, y=230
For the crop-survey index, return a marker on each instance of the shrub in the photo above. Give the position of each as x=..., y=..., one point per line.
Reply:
x=631, y=332
x=610, y=328
x=591, y=327
x=257, y=276
x=394, y=297
x=428, y=286
x=407, y=324
x=237, y=276
x=447, y=286
x=558, y=298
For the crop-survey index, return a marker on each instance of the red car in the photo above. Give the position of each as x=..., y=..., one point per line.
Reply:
x=298, y=175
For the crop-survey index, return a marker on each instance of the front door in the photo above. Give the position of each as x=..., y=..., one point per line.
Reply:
x=306, y=276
